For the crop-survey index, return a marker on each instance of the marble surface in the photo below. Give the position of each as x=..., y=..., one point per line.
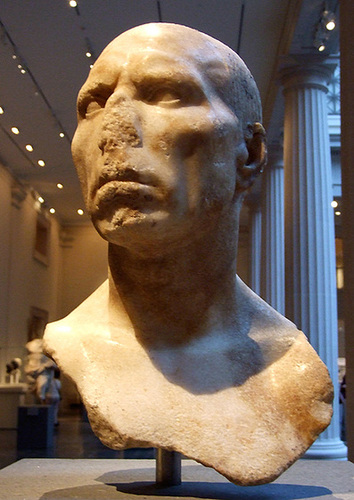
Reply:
x=59, y=479
x=174, y=351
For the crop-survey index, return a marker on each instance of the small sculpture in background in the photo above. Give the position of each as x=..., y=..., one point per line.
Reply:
x=42, y=378
x=13, y=369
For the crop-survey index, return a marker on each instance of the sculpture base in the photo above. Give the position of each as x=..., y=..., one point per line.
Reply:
x=103, y=479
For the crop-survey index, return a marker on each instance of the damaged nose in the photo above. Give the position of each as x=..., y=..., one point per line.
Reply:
x=121, y=126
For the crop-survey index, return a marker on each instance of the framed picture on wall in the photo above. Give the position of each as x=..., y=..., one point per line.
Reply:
x=42, y=240
x=37, y=323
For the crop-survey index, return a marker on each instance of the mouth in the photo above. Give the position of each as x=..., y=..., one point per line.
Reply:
x=127, y=192
x=123, y=174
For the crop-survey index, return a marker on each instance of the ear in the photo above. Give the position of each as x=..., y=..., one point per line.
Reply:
x=247, y=171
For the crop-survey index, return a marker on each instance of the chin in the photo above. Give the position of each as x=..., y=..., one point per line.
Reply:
x=157, y=232
x=130, y=227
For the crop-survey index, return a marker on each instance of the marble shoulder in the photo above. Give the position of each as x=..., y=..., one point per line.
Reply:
x=62, y=338
x=276, y=335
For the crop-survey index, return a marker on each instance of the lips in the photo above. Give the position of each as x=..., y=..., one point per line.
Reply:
x=121, y=184
x=121, y=174
x=127, y=191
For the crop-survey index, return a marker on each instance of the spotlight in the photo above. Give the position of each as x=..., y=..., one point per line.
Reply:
x=329, y=20
x=72, y=3
x=15, y=130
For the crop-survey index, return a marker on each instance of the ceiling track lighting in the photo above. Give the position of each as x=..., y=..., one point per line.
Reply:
x=324, y=27
x=329, y=20
x=23, y=68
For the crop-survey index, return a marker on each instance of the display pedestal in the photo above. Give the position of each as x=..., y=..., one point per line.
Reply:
x=58, y=479
x=11, y=397
x=35, y=427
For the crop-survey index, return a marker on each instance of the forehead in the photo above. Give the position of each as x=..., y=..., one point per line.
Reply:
x=164, y=52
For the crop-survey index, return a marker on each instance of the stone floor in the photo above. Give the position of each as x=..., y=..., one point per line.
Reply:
x=73, y=439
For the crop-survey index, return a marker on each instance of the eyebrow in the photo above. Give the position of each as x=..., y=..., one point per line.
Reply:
x=93, y=89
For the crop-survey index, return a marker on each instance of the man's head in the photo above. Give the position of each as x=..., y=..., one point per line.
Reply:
x=168, y=135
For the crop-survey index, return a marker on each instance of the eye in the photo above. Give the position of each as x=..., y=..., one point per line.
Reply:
x=163, y=96
x=90, y=103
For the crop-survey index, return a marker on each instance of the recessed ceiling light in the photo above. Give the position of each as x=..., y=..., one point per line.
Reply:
x=29, y=147
x=52, y=210
x=41, y=163
x=23, y=71
x=19, y=66
x=88, y=54
x=14, y=56
x=334, y=204
x=80, y=211
x=337, y=213
x=40, y=199
x=15, y=130
x=72, y=3
x=61, y=134
x=91, y=66
x=1, y=110
x=321, y=48
x=60, y=186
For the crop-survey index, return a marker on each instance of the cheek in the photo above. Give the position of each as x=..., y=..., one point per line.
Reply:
x=85, y=152
x=185, y=130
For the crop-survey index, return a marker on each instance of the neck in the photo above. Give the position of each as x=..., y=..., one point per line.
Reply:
x=175, y=296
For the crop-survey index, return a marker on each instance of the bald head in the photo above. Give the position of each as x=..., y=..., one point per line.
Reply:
x=220, y=65
x=167, y=138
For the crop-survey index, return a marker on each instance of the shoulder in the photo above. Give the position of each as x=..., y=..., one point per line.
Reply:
x=63, y=339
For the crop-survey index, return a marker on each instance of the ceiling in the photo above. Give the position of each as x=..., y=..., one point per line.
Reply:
x=43, y=64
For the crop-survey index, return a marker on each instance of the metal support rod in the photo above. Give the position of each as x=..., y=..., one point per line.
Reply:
x=168, y=468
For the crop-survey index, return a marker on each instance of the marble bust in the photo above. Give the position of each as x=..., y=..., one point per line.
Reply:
x=174, y=350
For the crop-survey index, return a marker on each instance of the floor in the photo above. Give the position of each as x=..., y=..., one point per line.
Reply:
x=73, y=438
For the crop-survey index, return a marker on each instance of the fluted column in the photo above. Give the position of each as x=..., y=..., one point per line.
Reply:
x=311, y=299
x=272, y=208
x=255, y=231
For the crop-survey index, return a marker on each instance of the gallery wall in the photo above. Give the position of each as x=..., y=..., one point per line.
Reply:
x=27, y=283
x=74, y=265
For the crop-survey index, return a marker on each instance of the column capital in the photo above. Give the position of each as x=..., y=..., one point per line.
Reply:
x=275, y=157
x=306, y=71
